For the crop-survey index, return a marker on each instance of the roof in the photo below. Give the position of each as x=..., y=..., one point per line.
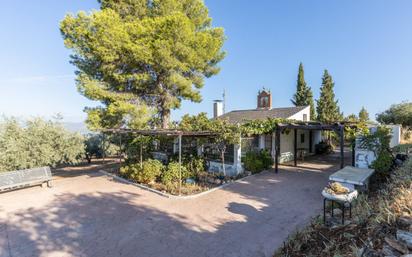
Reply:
x=242, y=116
x=164, y=132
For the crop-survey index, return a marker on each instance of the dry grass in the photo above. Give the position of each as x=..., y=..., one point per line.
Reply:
x=375, y=216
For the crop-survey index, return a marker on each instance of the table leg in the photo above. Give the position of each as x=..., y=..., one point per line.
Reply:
x=343, y=213
x=332, y=204
x=324, y=210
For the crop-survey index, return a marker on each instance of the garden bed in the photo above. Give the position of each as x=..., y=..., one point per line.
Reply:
x=374, y=230
x=164, y=179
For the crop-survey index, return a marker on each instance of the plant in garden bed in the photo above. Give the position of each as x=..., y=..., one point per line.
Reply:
x=146, y=173
x=257, y=161
x=379, y=143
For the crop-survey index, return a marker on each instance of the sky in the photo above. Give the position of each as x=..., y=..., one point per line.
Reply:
x=365, y=45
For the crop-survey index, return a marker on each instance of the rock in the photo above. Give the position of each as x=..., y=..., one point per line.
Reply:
x=410, y=228
x=337, y=211
x=407, y=255
x=405, y=221
x=398, y=246
x=388, y=251
x=405, y=237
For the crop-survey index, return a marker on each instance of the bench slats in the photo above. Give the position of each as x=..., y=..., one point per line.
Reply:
x=21, y=178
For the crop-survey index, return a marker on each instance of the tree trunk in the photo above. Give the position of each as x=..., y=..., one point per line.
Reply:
x=165, y=118
x=223, y=162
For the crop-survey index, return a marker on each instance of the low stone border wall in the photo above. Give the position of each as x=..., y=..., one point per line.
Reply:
x=166, y=194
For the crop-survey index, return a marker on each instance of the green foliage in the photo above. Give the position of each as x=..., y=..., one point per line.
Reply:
x=304, y=94
x=397, y=114
x=327, y=107
x=352, y=118
x=147, y=172
x=98, y=145
x=379, y=142
x=257, y=161
x=171, y=174
x=259, y=127
x=196, y=166
x=402, y=148
x=383, y=163
x=135, y=54
x=323, y=147
x=37, y=143
x=363, y=115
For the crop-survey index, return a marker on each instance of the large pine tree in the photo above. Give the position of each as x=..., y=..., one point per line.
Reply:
x=135, y=55
x=303, y=95
x=328, y=110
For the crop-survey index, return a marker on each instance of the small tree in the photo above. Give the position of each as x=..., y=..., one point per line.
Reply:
x=226, y=133
x=397, y=114
x=363, y=115
x=304, y=95
x=327, y=107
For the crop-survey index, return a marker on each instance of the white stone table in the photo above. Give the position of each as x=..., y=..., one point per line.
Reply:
x=351, y=177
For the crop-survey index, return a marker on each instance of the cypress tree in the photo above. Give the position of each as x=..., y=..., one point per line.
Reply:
x=363, y=115
x=303, y=95
x=327, y=107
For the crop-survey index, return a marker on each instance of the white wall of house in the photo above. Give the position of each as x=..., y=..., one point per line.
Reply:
x=301, y=115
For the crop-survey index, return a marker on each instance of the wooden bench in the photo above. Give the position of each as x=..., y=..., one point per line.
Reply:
x=23, y=178
x=353, y=178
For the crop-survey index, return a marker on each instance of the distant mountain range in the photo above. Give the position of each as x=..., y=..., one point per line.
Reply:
x=76, y=127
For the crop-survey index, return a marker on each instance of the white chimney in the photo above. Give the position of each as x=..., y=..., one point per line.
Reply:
x=217, y=108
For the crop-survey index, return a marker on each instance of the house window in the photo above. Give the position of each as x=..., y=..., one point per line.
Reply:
x=302, y=138
x=305, y=117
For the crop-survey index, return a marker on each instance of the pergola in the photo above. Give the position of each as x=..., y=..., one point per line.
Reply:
x=164, y=132
x=337, y=127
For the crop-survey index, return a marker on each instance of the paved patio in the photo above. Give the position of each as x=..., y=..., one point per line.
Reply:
x=92, y=215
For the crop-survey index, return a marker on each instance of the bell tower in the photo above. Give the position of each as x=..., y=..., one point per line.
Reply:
x=264, y=99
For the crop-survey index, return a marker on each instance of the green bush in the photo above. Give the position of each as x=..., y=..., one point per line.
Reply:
x=195, y=166
x=146, y=173
x=383, y=163
x=37, y=143
x=98, y=145
x=323, y=147
x=257, y=161
x=171, y=174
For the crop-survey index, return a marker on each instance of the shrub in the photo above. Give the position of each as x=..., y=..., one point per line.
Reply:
x=146, y=173
x=323, y=147
x=195, y=166
x=257, y=161
x=383, y=163
x=97, y=145
x=37, y=143
x=171, y=174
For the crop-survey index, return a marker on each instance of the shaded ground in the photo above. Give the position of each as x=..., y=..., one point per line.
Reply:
x=91, y=215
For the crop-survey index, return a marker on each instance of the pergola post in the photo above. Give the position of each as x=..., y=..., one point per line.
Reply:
x=342, y=143
x=104, y=147
x=295, y=147
x=310, y=141
x=120, y=149
x=141, y=152
x=277, y=149
x=180, y=164
x=353, y=152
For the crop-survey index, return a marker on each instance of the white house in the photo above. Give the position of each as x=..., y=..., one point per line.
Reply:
x=306, y=139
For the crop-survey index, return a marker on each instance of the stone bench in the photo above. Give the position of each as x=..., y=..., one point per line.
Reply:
x=23, y=178
x=353, y=178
